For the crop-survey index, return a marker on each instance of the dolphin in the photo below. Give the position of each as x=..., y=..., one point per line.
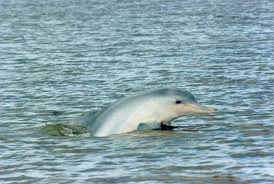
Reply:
x=153, y=106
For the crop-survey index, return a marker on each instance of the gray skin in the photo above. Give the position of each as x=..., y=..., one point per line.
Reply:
x=155, y=106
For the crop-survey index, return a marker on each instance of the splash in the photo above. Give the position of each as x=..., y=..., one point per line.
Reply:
x=65, y=130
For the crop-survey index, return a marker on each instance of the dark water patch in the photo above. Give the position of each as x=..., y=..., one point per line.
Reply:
x=164, y=178
x=52, y=113
x=251, y=153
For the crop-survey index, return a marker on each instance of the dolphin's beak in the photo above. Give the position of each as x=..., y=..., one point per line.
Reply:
x=195, y=108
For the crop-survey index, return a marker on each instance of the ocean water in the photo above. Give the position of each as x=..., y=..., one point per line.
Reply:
x=61, y=58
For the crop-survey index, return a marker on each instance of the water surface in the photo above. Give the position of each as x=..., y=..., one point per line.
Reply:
x=61, y=58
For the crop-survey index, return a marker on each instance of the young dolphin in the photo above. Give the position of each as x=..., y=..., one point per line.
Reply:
x=156, y=106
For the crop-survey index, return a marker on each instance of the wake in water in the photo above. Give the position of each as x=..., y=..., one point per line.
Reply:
x=61, y=129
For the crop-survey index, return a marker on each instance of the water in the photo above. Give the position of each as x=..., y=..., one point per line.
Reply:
x=61, y=58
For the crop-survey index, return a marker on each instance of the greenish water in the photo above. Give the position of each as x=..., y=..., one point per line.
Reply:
x=61, y=58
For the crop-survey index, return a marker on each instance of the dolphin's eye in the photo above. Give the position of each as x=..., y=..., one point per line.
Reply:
x=178, y=101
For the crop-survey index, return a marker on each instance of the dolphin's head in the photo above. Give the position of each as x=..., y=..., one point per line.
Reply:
x=176, y=103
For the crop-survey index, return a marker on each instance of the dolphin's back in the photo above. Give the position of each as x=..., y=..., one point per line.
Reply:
x=94, y=120
x=88, y=119
x=97, y=119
